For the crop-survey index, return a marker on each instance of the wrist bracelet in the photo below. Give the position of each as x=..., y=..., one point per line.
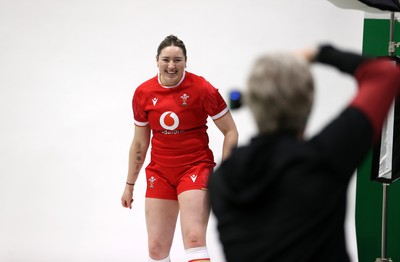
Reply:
x=130, y=184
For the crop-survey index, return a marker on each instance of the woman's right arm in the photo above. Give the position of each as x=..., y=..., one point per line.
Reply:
x=378, y=81
x=137, y=156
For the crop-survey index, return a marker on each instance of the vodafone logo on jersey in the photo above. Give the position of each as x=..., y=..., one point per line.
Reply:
x=169, y=120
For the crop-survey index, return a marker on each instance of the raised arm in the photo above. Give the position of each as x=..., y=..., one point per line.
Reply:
x=378, y=82
x=345, y=61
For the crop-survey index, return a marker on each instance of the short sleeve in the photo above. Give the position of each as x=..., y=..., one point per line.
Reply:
x=214, y=103
x=139, y=114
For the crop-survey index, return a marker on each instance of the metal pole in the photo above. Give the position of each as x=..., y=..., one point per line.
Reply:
x=384, y=226
x=384, y=220
x=392, y=45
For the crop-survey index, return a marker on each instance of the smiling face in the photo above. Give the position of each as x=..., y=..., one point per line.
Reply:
x=171, y=63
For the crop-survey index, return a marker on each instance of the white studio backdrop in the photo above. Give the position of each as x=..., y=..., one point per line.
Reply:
x=68, y=70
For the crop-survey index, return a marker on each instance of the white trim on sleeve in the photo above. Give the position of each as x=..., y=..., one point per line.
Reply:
x=222, y=113
x=141, y=123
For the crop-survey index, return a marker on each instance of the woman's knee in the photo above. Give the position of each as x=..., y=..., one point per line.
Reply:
x=158, y=250
x=194, y=239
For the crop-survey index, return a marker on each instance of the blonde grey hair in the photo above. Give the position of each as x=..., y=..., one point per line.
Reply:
x=280, y=93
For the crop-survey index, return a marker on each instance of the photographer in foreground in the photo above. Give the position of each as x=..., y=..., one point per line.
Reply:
x=283, y=197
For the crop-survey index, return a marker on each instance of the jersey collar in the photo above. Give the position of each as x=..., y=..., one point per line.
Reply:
x=180, y=81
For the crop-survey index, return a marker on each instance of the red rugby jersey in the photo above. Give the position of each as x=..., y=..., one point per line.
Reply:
x=178, y=118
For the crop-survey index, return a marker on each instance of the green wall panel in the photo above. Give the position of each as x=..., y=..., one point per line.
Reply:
x=369, y=193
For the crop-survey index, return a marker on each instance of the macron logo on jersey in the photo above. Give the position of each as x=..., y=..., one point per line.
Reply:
x=193, y=177
x=154, y=101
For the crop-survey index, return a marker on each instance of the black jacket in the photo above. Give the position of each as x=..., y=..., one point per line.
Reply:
x=282, y=199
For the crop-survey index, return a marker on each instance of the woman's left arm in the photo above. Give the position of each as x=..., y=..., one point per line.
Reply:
x=227, y=126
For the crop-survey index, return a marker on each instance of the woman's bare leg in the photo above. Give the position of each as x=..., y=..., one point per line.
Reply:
x=161, y=217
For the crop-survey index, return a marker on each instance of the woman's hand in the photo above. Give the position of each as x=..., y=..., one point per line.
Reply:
x=306, y=53
x=127, y=197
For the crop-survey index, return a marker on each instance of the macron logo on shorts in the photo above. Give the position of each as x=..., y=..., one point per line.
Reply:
x=193, y=177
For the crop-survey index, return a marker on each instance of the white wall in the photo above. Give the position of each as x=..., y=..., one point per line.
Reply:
x=68, y=70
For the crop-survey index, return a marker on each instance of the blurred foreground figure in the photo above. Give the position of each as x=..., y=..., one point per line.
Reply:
x=283, y=198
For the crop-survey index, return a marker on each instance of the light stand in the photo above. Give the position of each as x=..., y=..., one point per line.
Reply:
x=387, y=173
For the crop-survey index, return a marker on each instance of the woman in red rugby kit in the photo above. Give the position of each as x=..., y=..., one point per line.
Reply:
x=172, y=109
